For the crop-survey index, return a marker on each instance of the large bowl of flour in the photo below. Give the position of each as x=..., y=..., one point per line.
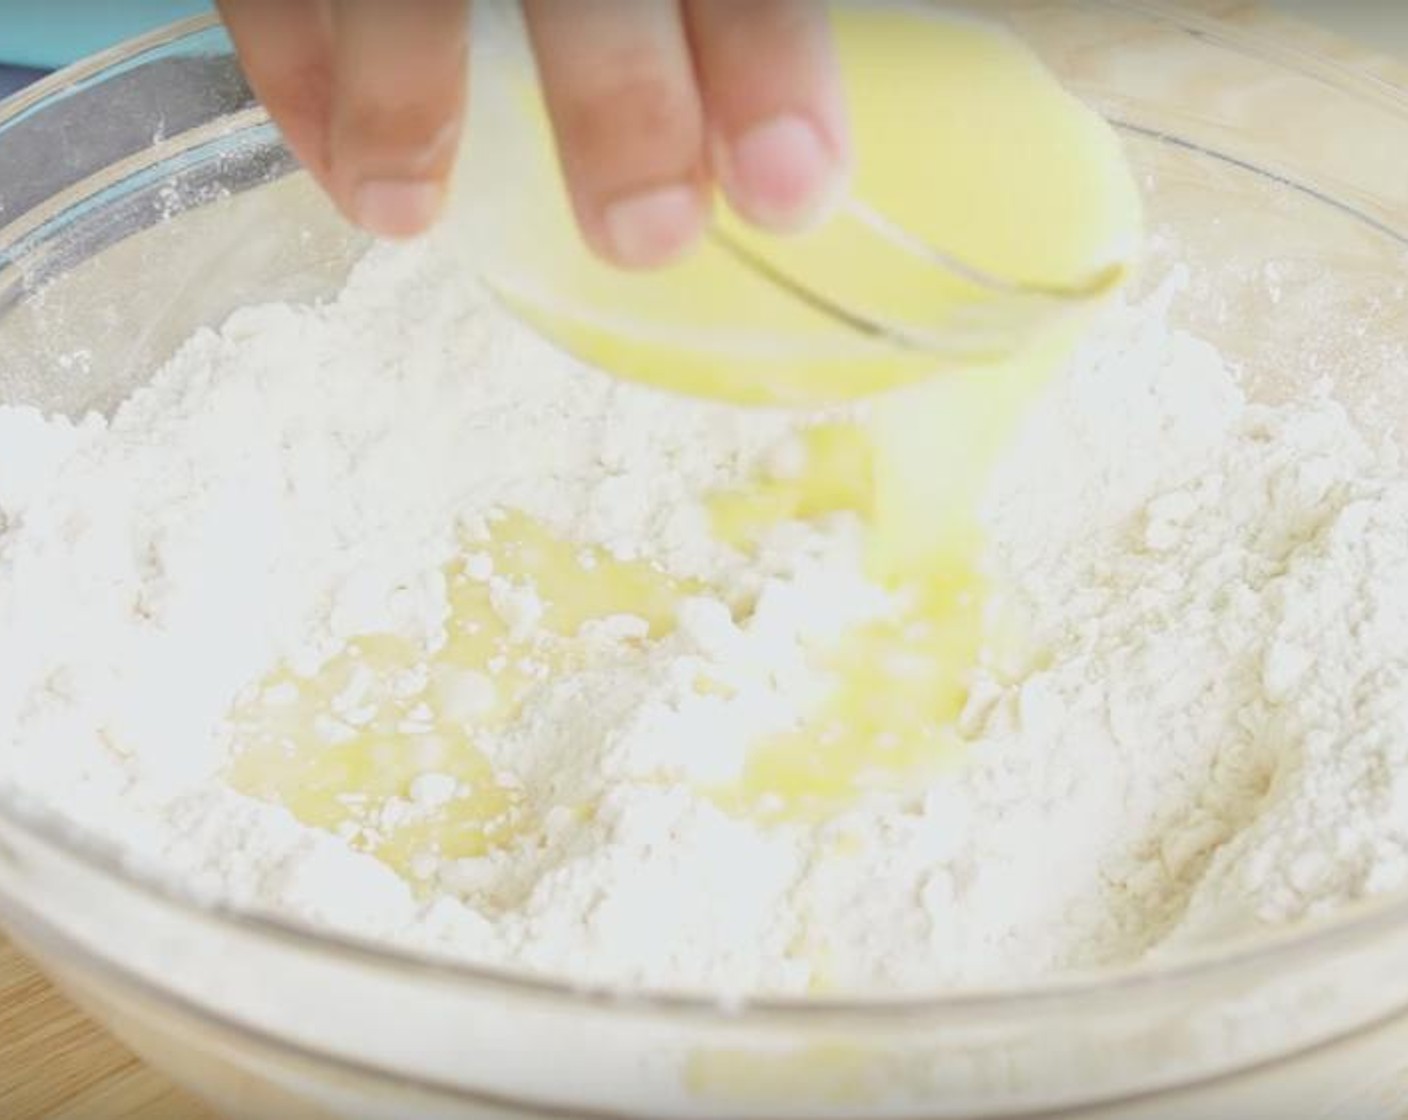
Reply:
x=1163, y=871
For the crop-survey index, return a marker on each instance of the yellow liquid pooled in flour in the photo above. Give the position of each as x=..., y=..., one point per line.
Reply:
x=342, y=749
x=963, y=139
x=899, y=682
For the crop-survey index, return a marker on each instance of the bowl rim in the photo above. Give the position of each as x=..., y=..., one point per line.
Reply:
x=1280, y=948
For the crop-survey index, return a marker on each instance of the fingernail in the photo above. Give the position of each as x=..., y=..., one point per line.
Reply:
x=653, y=227
x=781, y=174
x=397, y=207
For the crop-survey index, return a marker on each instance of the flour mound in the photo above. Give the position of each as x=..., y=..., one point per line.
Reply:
x=1204, y=737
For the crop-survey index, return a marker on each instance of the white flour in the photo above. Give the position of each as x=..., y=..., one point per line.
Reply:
x=1208, y=737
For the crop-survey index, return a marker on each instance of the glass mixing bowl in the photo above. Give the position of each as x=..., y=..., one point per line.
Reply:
x=143, y=194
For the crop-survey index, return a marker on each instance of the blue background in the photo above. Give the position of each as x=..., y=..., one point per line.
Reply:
x=50, y=33
x=40, y=35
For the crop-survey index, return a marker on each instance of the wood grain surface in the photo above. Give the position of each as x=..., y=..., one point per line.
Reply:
x=56, y=1064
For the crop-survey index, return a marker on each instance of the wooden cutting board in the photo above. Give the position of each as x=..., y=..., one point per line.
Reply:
x=56, y=1064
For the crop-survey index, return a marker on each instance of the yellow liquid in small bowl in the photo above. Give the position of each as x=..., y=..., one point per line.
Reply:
x=962, y=139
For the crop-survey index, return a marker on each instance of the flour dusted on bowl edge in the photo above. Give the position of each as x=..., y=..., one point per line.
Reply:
x=1200, y=738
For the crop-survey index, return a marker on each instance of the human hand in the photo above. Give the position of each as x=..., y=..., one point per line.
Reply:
x=652, y=102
